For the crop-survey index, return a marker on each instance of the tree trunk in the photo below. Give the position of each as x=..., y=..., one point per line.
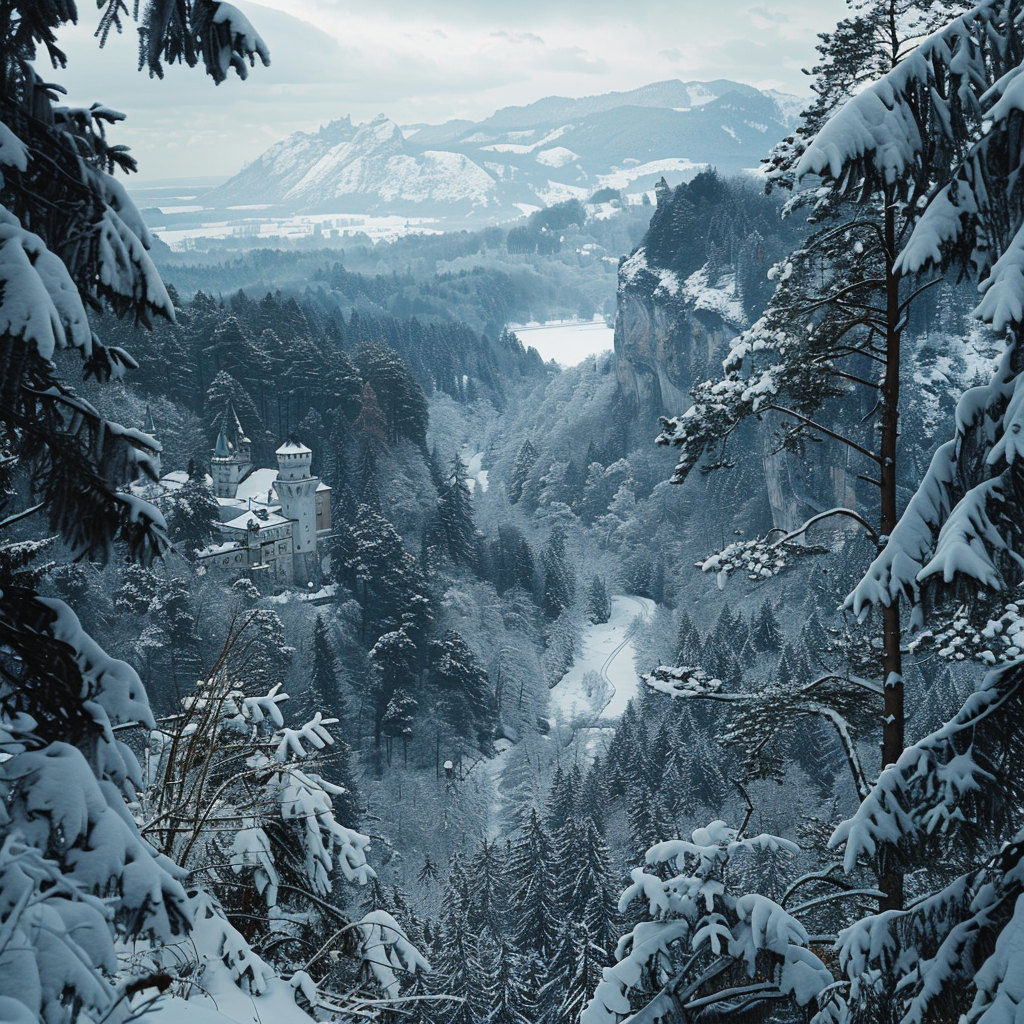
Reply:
x=892, y=661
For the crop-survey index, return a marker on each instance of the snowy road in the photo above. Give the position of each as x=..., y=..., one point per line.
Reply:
x=602, y=678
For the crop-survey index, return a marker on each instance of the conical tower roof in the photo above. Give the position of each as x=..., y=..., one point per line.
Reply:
x=223, y=447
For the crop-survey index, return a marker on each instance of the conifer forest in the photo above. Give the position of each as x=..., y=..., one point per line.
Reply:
x=358, y=664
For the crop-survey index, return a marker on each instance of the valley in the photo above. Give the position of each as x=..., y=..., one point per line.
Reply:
x=556, y=568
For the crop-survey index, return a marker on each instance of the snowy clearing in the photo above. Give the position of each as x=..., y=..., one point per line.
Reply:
x=330, y=225
x=606, y=651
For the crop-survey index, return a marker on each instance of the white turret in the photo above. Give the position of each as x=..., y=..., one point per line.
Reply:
x=231, y=462
x=296, y=490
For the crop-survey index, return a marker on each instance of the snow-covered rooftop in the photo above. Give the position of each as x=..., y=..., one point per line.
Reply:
x=257, y=485
x=242, y=522
x=293, y=448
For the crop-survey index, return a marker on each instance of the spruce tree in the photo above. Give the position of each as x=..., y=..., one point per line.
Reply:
x=534, y=912
x=509, y=996
x=525, y=458
x=488, y=890
x=192, y=516
x=599, y=606
x=454, y=530
x=559, y=579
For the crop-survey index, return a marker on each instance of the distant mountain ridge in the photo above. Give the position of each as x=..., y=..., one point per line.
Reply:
x=531, y=156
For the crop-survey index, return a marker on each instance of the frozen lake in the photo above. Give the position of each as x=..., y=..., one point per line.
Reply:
x=568, y=342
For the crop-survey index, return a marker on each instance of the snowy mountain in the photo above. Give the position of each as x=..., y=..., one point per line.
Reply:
x=536, y=155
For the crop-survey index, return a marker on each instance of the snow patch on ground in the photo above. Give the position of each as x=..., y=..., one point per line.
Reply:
x=621, y=177
x=721, y=299
x=603, y=678
x=475, y=476
x=559, y=156
x=520, y=149
x=558, y=192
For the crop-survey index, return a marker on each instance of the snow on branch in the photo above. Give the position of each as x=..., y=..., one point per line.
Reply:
x=229, y=41
x=385, y=949
x=1001, y=639
x=41, y=303
x=763, y=557
x=698, y=929
x=882, y=132
x=941, y=786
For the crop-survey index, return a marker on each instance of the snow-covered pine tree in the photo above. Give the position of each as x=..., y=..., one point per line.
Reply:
x=487, y=908
x=701, y=946
x=236, y=797
x=74, y=872
x=959, y=949
x=599, y=606
x=559, y=579
x=465, y=695
x=534, y=911
x=956, y=950
x=192, y=515
x=836, y=320
x=509, y=994
x=454, y=530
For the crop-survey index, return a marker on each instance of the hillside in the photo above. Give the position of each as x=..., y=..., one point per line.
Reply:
x=549, y=151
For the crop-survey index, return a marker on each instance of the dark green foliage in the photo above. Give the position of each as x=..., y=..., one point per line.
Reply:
x=454, y=530
x=401, y=398
x=599, y=606
x=386, y=578
x=393, y=661
x=192, y=516
x=559, y=578
x=511, y=562
x=765, y=631
x=586, y=972
x=525, y=458
x=487, y=906
x=711, y=216
x=465, y=697
x=688, y=642
x=323, y=673
x=509, y=989
x=534, y=908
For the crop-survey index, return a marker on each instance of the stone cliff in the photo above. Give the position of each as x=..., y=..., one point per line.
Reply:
x=671, y=333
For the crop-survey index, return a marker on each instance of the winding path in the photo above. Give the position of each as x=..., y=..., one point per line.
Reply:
x=571, y=703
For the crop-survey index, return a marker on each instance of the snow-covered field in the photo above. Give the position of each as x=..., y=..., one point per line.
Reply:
x=336, y=225
x=568, y=342
x=606, y=653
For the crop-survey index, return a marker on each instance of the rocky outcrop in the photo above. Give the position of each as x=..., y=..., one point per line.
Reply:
x=670, y=334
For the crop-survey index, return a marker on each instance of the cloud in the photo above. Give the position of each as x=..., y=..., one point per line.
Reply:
x=673, y=56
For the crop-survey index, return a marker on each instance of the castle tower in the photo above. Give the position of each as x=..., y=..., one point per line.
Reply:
x=296, y=490
x=231, y=461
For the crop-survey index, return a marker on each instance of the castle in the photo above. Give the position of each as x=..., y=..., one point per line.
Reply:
x=271, y=519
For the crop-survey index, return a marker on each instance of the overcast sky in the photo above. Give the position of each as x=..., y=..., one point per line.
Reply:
x=433, y=62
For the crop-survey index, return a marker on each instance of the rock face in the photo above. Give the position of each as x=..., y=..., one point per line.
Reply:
x=670, y=334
